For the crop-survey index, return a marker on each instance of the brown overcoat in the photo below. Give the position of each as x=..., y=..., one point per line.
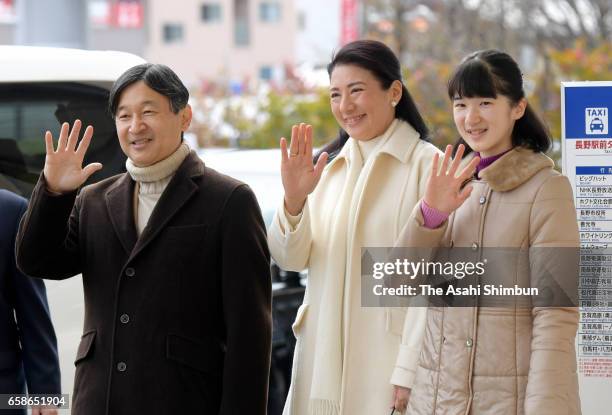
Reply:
x=177, y=320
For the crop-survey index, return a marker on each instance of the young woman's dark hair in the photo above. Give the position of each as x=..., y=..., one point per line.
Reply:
x=159, y=78
x=377, y=58
x=489, y=73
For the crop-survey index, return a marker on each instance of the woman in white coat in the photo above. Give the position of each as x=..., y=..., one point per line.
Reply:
x=351, y=359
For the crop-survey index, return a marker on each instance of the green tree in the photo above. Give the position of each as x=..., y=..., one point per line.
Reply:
x=577, y=63
x=284, y=110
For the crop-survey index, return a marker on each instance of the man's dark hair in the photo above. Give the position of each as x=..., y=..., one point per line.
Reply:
x=159, y=78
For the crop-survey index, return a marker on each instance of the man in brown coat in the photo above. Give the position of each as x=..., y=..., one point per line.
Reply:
x=174, y=261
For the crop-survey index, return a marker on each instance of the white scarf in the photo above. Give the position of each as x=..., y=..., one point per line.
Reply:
x=325, y=390
x=327, y=370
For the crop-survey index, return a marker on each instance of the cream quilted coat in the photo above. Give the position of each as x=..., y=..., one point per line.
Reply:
x=495, y=361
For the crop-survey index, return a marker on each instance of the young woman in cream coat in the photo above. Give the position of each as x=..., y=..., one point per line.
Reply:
x=350, y=359
x=511, y=360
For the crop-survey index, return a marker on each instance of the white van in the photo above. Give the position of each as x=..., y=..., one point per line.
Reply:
x=42, y=87
x=39, y=89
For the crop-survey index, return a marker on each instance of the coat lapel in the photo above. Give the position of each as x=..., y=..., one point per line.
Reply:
x=400, y=141
x=120, y=206
x=180, y=189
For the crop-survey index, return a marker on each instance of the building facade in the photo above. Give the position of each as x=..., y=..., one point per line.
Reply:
x=227, y=41
x=230, y=42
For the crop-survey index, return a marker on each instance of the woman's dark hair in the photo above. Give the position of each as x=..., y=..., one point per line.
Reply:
x=489, y=73
x=377, y=58
x=159, y=78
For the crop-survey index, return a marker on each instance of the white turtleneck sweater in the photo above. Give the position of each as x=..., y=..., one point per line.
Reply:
x=151, y=181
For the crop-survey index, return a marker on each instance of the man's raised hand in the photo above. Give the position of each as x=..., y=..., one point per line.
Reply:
x=64, y=171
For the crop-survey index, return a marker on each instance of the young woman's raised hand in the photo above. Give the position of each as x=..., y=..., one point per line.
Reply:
x=444, y=190
x=63, y=169
x=300, y=176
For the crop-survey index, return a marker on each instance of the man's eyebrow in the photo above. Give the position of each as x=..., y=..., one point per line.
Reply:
x=143, y=103
x=349, y=85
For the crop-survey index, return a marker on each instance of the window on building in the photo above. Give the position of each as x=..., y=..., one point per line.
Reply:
x=242, y=30
x=173, y=32
x=210, y=12
x=269, y=11
x=265, y=73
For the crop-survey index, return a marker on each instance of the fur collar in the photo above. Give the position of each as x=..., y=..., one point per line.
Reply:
x=514, y=168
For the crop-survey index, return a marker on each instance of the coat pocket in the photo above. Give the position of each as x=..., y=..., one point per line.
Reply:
x=299, y=319
x=395, y=320
x=85, y=346
x=204, y=356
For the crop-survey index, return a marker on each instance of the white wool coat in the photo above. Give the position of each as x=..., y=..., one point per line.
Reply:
x=380, y=346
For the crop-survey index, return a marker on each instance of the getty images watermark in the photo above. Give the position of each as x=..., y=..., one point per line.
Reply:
x=404, y=268
x=466, y=277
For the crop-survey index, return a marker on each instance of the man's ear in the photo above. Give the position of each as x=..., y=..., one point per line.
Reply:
x=186, y=116
x=519, y=109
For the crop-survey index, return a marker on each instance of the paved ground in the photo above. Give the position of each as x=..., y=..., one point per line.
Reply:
x=66, y=304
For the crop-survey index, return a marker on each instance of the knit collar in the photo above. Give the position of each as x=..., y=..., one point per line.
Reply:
x=160, y=170
x=513, y=168
x=368, y=147
x=401, y=148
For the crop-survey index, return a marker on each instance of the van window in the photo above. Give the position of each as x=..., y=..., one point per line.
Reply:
x=28, y=110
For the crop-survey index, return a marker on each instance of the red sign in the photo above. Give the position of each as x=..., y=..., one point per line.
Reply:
x=349, y=25
x=126, y=14
x=7, y=11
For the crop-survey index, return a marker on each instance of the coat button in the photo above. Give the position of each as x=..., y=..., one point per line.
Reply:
x=121, y=366
x=130, y=272
x=124, y=318
x=469, y=343
x=474, y=246
x=482, y=200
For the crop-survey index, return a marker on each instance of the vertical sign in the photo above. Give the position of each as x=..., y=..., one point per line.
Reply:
x=349, y=25
x=587, y=162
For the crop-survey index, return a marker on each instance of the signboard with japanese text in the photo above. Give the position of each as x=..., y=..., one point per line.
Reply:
x=124, y=14
x=349, y=21
x=587, y=162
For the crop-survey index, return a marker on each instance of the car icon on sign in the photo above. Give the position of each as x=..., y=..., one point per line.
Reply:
x=596, y=124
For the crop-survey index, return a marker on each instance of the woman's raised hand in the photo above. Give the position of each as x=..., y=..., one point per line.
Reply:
x=300, y=176
x=63, y=169
x=444, y=190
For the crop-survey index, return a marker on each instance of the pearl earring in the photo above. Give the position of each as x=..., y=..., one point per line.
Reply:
x=393, y=103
